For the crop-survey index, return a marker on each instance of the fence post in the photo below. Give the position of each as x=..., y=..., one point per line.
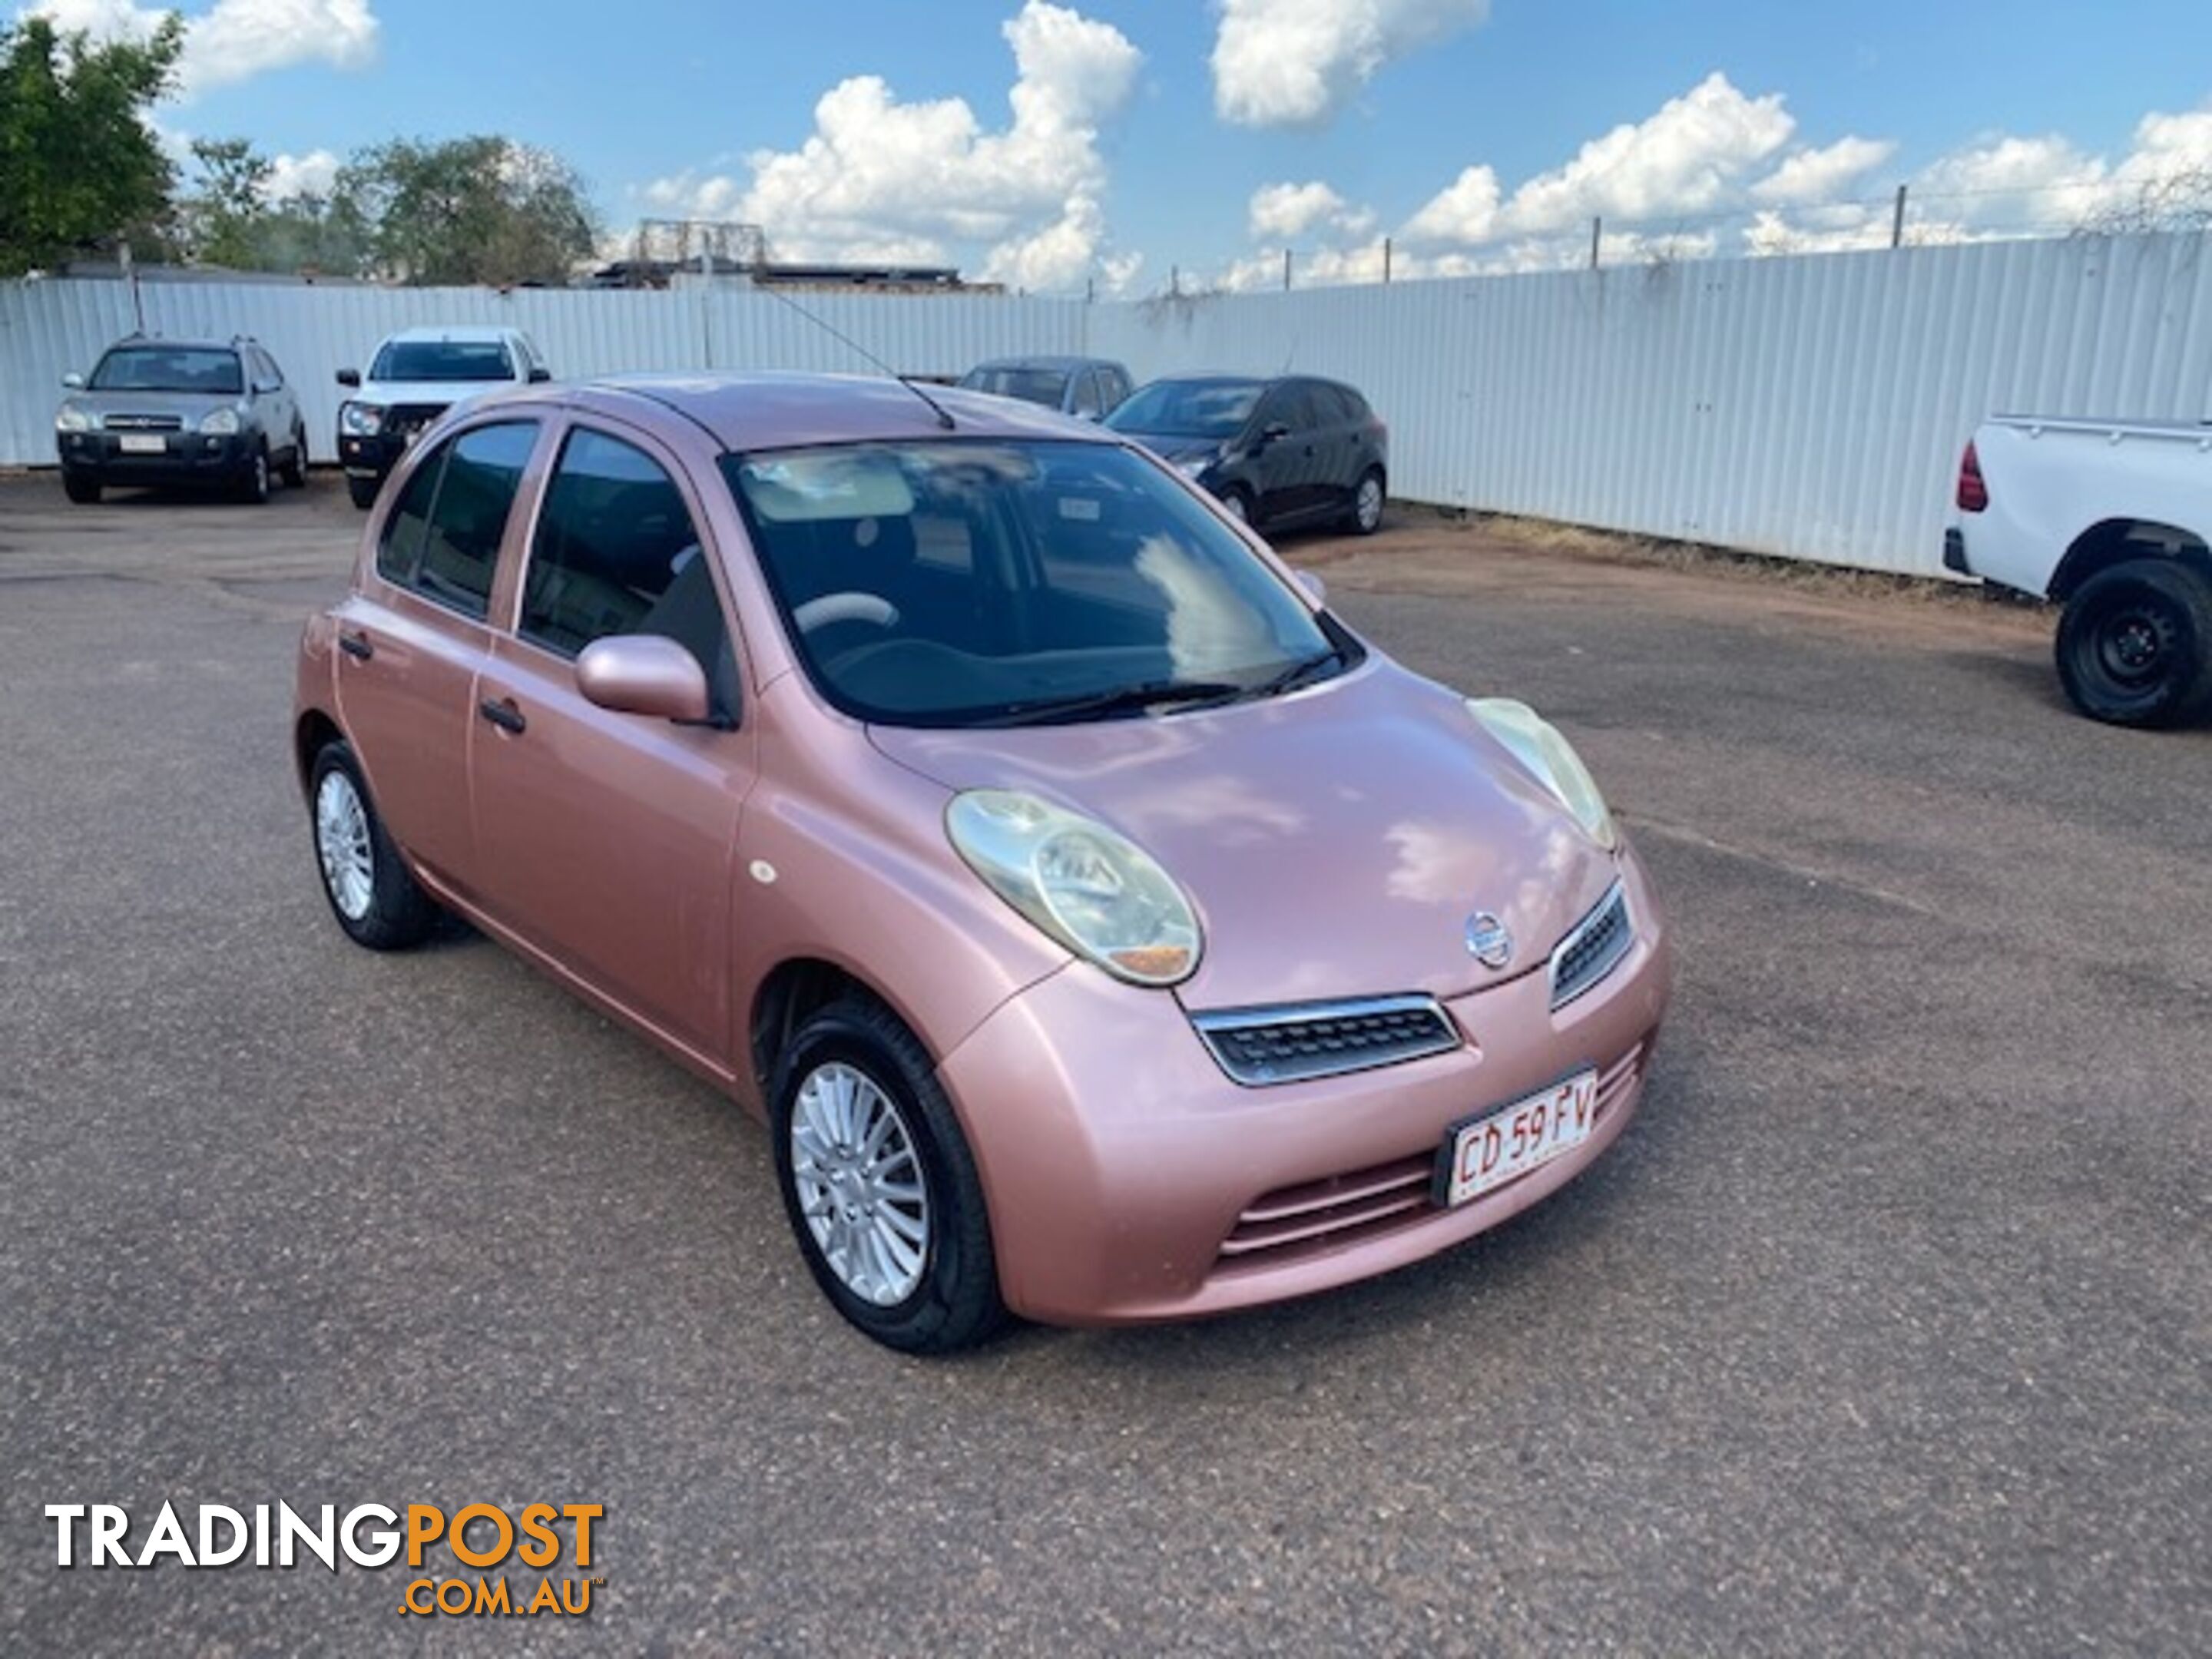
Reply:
x=1386, y=260
x=1597, y=233
x=1286, y=270
x=1897, y=222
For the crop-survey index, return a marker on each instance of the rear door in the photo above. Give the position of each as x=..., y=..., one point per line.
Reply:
x=1337, y=459
x=609, y=841
x=414, y=636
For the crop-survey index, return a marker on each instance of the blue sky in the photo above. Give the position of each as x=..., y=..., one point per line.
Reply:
x=1154, y=125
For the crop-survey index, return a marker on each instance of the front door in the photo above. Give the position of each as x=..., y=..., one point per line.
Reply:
x=608, y=842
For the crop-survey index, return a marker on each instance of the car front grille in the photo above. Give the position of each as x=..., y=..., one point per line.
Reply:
x=143, y=423
x=1593, y=949
x=1289, y=1044
x=1315, y=1217
x=404, y=418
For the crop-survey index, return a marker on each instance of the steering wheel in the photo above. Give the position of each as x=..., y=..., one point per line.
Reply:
x=852, y=606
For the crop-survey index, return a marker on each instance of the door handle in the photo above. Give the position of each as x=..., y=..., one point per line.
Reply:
x=503, y=713
x=357, y=645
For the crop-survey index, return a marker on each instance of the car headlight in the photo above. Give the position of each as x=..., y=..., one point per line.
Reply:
x=70, y=418
x=360, y=420
x=1550, y=758
x=219, y=422
x=1096, y=892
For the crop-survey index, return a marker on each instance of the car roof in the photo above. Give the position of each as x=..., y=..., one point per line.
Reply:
x=1047, y=362
x=163, y=343
x=763, y=410
x=462, y=332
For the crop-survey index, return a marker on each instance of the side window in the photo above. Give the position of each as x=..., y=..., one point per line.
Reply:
x=1331, y=404
x=1288, y=406
x=1087, y=393
x=266, y=372
x=616, y=552
x=443, y=538
x=1117, y=389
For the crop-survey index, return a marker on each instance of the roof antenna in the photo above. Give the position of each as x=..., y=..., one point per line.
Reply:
x=935, y=408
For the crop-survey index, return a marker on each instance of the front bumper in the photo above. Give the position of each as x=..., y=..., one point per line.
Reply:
x=1119, y=1160
x=185, y=458
x=370, y=457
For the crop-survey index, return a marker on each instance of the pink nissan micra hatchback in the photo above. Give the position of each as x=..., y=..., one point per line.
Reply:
x=1103, y=930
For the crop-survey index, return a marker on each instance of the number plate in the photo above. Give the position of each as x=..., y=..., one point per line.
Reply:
x=1490, y=1149
x=141, y=443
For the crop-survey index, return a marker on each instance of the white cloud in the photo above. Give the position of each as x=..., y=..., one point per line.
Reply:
x=1682, y=160
x=1466, y=212
x=2008, y=183
x=312, y=174
x=1285, y=212
x=1820, y=175
x=1296, y=63
x=234, y=40
x=879, y=177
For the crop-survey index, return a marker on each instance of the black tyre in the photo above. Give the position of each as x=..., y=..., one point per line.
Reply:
x=253, y=482
x=294, y=469
x=1363, y=516
x=879, y=1184
x=364, y=491
x=2134, y=644
x=85, y=492
x=1238, y=501
x=371, y=893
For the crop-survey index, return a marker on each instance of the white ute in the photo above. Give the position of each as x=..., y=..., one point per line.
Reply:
x=414, y=377
x=2112, y=519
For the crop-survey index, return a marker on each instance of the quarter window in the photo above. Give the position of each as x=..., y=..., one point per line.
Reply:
x=616, y=552
x=443, y=538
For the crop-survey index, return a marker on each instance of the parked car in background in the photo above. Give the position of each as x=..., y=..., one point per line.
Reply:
x=415, y=376
x=200, y=413
x=2113, y=519
x=1296, y=450
x=1087, y=386
x=1103, y=930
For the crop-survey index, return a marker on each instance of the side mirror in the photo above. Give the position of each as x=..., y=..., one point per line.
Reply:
x=539, y=376
x=1316, y=589
x=643, y=674
x=349, y=377
x=73, y=380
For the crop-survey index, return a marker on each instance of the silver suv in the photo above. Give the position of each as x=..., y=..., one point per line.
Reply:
x=181, y=412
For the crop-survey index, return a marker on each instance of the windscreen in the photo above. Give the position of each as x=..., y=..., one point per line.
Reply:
x=442, y=359
x=1187, y=409
x=969, y=582
x=169, y=368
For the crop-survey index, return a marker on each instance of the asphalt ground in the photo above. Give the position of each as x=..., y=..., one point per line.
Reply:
x=1885, y=1328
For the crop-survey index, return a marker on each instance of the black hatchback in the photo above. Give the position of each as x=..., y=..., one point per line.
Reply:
x=1296, y=450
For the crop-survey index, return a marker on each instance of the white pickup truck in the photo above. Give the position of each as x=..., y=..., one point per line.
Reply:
x=2112, y=519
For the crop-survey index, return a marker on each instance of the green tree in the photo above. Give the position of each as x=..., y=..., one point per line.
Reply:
x=231, y=219
x=481, y=209
x=79, y=167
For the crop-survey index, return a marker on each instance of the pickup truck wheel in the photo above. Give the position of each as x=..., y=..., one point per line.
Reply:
x=364, y=491
x=2134, y=644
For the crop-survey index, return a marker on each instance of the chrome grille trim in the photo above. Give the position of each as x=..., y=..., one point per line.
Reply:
x=143, y=423
x=1593, y=948
x=1296, y=1042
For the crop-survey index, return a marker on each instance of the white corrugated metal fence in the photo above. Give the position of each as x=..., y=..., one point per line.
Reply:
x=1811, y=407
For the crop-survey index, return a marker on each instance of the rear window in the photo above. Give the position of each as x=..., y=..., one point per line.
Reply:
x=442, y=359
x=1032, y=386
x=213, y=371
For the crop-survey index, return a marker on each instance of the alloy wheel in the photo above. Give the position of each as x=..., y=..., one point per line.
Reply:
x=342, y=842
x=860, y=1183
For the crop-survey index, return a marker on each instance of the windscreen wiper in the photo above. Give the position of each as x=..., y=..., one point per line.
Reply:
x=1121, y=699
x=1290, y=677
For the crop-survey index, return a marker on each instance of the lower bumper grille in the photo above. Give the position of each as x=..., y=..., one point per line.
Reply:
x=1315, y=1217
